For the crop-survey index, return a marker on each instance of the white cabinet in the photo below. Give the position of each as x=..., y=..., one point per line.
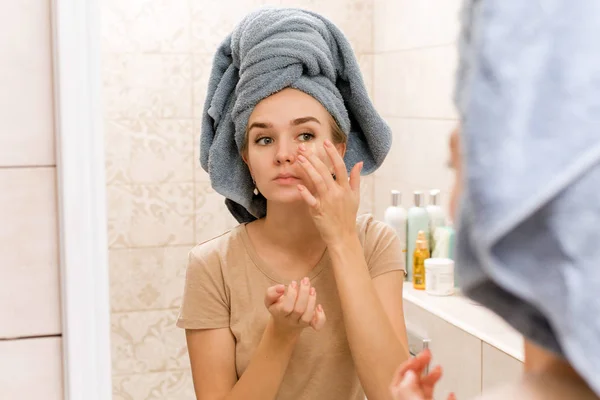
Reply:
x=498, y=368
x=470, y=364
x=458, y=352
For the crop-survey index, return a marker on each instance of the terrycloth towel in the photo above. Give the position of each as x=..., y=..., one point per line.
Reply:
x=529, y=229
x=272, y=49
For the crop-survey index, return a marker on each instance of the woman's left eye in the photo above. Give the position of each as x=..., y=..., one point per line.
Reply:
x=305, y=137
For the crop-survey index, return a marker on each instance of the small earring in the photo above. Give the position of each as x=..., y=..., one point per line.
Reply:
x=255, y=191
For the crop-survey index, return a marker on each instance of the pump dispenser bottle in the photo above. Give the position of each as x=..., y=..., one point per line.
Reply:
x=417, y=220
x=436, y=215
x=395, y=217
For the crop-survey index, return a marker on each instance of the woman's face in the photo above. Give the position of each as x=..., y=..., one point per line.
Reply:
x=456, y=164
x=276, y=127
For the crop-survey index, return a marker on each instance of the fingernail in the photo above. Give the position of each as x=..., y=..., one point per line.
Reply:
x=302, y=147
x=294, y=284
x=301, y=158
x=327, y=143
x=320, y=308
x=361, y=165
x=305, y=281
x=313, y=291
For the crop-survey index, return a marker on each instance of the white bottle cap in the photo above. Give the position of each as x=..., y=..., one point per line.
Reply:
x=434, y=196
x=396, y=198
x=418, y=198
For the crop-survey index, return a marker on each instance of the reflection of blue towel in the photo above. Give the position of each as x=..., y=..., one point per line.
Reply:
x=272, y=49
x=529, y=231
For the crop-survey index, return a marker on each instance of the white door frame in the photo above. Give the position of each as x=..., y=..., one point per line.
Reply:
x=82, y=200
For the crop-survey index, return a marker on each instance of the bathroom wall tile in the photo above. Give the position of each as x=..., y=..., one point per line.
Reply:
x=148, y=278
x=31, y=369
x=146, y=26
x=30, y=285
x=409, y=24
x=149, y=151
x=416, y=83
x=383, y=185
x=365, y=62
x=147, y=86
x=418, y=160
x=200, y=175
x=353, y=17
x=27, y=135
x=212, y=216
x=366, y=194
x=213, y=20
x=201, y=69
x=172, y=385
x=147, y=341
x=175, y=266
x=150, y=215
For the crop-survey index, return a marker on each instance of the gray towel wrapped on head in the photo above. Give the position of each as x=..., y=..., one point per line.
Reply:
x=529, y=230
x=273, y=49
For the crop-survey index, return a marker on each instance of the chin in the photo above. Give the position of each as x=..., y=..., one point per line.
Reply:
x=288, y=195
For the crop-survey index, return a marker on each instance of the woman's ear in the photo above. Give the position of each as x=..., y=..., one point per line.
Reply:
x=245, y=158
x=341, y=148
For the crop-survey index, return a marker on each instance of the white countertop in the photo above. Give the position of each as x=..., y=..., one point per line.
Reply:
x=471, y=317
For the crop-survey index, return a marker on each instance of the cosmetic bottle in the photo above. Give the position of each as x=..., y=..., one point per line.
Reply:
x=395, y=216
x=417, y=220
x=420, y=254
x=437, y=217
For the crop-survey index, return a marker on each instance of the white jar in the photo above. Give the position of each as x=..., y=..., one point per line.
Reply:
x=439, y=276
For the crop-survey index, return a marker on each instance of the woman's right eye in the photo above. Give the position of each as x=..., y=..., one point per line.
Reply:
x=263, y=141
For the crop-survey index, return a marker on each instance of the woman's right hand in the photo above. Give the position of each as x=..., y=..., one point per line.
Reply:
x=410, y=382
x=294, y=307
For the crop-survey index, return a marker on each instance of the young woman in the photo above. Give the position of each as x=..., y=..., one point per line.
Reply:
x=305, y=301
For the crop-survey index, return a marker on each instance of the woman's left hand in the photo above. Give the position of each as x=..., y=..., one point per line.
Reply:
x=335, y=204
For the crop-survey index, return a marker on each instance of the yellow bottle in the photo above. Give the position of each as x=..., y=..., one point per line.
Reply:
x=420, y=254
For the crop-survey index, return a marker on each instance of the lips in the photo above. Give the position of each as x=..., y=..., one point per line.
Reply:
x=286, y=176
x=286, y=179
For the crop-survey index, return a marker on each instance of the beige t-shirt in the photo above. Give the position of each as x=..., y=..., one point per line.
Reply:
x=225, y=286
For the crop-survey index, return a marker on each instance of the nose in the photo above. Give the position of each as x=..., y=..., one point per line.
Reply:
x=286, y=152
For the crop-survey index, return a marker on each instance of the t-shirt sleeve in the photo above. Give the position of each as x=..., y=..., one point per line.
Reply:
x=205, y=299
x=383, y=249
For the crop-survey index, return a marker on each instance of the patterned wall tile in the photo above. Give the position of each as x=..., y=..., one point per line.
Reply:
x=213, y=20
x=146, y=26
x=149, y=151
x=171, y=385
x=147, y=279
x=147, y=86
x=147, y=341
x=212, y=216
x=150, y=215
x=201, y=69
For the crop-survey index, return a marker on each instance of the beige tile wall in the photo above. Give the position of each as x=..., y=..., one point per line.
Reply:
x=30, y=321
x=156, y=62
x=414, y=65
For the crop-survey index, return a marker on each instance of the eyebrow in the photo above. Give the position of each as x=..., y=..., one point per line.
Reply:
x=294, y=122
x=299, y=121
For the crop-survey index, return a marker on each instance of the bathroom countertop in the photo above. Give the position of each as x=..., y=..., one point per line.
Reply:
x=471, y=317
